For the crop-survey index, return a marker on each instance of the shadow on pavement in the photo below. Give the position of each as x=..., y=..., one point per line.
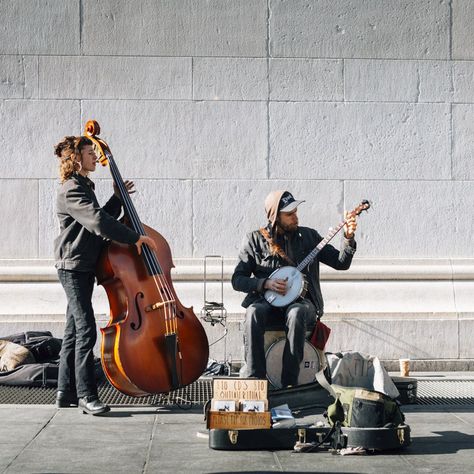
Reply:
x=447, y=442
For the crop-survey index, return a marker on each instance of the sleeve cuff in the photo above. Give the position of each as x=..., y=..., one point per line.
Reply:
x=350, y=245
x=260, y=283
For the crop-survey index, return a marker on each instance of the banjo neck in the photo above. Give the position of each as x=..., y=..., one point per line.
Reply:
x=313, y=254
x=363, y=206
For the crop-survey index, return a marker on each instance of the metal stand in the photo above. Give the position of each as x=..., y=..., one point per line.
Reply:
x=214, y=312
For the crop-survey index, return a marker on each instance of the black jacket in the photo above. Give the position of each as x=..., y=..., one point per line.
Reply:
x=256, y=263
x=84, y=225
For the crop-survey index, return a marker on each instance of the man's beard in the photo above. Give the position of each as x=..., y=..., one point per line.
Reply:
x=286, y=229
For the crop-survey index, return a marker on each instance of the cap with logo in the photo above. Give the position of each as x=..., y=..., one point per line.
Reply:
x=280, y=200
x=288, y=203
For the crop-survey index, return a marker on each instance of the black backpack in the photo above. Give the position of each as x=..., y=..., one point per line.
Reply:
x=45, y=349
x=41, y=344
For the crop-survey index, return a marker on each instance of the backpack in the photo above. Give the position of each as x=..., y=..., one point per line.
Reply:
x=356, y=407
x=41, y=344
x=361, y=408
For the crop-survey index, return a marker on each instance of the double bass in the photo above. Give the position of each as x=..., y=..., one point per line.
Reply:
x=152, y=343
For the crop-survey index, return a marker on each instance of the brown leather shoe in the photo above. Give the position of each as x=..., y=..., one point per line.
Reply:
x=92, y=405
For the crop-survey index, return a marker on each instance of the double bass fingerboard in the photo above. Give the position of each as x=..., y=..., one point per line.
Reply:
x=151, y=262
x=313, y=254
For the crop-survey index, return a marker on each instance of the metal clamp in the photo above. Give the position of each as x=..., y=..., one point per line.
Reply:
x=302, y=435
x=233, y=435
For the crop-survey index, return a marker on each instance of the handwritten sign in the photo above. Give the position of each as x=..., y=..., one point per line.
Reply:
x=239, y=389
x=239, y=420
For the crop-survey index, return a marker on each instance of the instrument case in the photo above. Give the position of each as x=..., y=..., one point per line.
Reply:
x=272, y=439
x=301, y=397
x=376, y=439
x=407, y=386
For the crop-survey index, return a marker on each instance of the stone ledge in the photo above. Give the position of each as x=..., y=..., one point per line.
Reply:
x=192, y=269
x=422, y=309
x=432, y=365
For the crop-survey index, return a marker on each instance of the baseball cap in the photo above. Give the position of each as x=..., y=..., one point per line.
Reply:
x=288, y=203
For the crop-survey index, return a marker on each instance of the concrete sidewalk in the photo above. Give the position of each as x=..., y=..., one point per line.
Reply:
x=42, y=439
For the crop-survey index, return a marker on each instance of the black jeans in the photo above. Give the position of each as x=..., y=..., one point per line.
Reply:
x=296, y=319
x=76, y=364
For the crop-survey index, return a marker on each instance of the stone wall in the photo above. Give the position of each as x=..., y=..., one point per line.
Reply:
x=210, y=104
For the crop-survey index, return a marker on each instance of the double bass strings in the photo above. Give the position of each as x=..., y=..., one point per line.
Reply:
x=148, y=255
x=171, y=323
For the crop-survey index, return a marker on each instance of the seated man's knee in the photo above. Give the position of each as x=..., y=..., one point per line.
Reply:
x=296, y=314
x=255, y=317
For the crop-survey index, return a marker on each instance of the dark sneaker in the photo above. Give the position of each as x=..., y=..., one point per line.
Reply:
x=65, y=399
x=92, y=405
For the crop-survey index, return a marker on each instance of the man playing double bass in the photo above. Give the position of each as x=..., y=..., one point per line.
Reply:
x=282, y=242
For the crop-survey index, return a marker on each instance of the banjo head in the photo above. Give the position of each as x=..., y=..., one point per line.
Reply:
x=295, y=286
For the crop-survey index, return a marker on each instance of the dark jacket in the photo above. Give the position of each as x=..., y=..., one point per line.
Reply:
x=256, y=263
x=84, y=225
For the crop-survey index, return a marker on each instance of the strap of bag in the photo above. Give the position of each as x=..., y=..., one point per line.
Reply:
x=322, y=380
x=275, y=247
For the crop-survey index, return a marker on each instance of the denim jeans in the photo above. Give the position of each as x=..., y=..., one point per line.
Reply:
x=296, y=318
x=76, y=364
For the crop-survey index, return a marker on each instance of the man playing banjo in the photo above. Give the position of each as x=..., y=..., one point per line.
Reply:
x=282, y=243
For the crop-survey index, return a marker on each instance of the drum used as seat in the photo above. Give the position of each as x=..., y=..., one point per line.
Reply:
x=274, y=344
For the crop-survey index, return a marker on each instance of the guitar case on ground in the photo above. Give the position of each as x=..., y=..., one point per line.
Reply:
x=275, y=438
x=378, y=439
x=371, y=439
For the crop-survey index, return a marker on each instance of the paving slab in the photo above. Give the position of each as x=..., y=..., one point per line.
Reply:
x=42, y=439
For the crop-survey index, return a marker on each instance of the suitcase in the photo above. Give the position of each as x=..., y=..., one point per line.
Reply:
x=273, y=439
x=301, y=397
x=407, y=386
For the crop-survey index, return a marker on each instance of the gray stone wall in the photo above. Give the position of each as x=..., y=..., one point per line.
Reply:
x=208, y=105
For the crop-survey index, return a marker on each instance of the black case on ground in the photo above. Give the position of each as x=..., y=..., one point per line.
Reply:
x=378, y=438
x=312, y=395
x=272, y=439
x=407, y=386
x=301, y=397
x=267, y=439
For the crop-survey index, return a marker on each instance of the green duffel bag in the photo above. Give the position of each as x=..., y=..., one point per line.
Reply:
x=357, y=407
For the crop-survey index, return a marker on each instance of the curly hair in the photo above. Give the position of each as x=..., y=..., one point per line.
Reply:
x=69, y=153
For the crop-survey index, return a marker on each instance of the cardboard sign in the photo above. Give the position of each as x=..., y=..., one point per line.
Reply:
x=238, y=420
x=239, y=389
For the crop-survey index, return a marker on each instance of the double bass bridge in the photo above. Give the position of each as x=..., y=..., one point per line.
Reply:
x=161, y=304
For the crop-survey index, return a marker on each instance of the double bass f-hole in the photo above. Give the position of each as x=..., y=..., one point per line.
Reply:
x=134, y=326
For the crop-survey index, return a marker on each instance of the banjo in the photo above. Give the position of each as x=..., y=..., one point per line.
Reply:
x=296, y=284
